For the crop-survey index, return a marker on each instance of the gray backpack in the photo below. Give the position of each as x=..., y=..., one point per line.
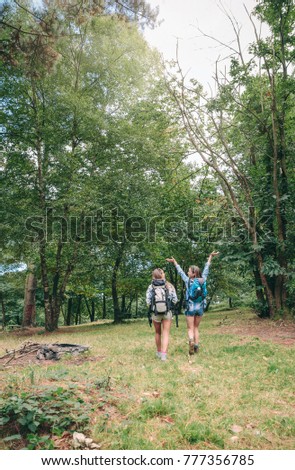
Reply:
x=159, y=297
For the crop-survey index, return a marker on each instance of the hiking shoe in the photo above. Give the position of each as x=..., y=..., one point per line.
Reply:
x=196, y=348
x=191, y=349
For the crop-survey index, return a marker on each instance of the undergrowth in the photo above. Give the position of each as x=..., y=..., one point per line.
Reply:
x=236, y=393
x=31, y=418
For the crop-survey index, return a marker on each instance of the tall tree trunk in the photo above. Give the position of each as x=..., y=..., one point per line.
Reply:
x=49, y=326
x=29, y=313
x=3, y=310
x=280, y=294
x=258, y=287
x=52, y=301
x=92, y=310
x=267, y=289
x=280, y=183
x=42, y=201
x=104, y=307
x=62, y=309
x=78, y=311
x=128, y=309
x=123, y=305
x=69, y=312
x=208, y=305
x=136, y=305
x=117, y=310
x=59, y=287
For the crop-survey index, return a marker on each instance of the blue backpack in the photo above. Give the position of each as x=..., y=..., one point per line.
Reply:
x=197, y=289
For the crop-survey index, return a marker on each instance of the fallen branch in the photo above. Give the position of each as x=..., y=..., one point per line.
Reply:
x=43, y=351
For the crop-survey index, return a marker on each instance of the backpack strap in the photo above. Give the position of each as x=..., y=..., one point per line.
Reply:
x=168, y=302
x=153, y=298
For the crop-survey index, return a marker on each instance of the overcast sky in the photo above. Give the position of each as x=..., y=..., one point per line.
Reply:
x=198, y=54
x=182, y=19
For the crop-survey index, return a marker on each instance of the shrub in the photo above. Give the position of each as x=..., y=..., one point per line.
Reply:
x=52, y=411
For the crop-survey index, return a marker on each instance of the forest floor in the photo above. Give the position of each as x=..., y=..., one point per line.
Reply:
x=279, y=331
x=237, y=393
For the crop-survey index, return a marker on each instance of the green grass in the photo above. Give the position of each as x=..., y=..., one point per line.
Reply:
x=137, y=401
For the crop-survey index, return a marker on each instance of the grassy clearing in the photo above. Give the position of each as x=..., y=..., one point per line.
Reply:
x=135, y=401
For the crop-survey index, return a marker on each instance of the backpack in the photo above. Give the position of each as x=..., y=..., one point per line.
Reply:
x=197, y=289
x=159, y=297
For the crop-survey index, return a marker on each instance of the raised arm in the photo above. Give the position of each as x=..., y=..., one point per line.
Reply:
x=178, y=268
x=206, y=267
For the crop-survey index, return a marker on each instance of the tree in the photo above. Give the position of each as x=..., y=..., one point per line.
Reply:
x=54, y=135
x=29, y=315
x=90, y=131
x=253, y=104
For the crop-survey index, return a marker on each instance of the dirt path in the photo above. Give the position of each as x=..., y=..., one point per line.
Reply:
x=280, y=332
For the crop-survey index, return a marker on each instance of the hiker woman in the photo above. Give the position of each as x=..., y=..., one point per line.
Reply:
x=160, y=296
x=195, y=283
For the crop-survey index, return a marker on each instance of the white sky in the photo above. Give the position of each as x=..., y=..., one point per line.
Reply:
x=197, y=54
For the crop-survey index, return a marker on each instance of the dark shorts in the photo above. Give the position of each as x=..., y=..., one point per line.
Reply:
x=198, y=313
x=194, y=309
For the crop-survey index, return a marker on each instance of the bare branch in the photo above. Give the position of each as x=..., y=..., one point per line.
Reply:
x=30, y=12
x=196, y=141
x=219, y=42
x=237, y=30
x=22, y=31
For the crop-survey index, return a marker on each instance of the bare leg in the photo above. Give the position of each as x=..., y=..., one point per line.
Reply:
x=157, y=326
x=197, y=321
x=166, y=331
x=190, y=331
x=190, y=327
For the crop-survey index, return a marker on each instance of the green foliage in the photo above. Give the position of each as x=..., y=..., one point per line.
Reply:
x=88, y=124
x=103, y=383
x=243, y=134
x=39, y=442
x=272, y=268
x=260, y=307
x=12, y=294
x=96, y=134
x=52, y=410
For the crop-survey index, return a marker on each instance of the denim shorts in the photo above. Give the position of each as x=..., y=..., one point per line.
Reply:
x=199, y=313
x=194, y=309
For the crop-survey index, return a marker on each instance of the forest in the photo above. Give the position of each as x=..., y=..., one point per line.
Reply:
x=112, y=161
